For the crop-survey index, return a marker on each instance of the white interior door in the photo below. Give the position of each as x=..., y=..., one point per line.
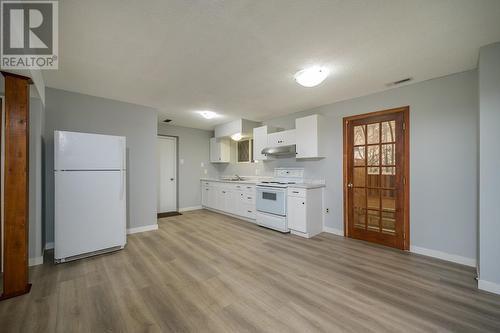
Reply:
x=167, y=177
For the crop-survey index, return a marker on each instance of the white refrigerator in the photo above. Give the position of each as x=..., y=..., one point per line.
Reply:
x=90, y=194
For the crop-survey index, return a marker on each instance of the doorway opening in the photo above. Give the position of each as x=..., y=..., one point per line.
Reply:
x=376, y=177
x=167, y=150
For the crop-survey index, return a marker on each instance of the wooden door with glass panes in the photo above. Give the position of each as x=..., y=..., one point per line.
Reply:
x=375, y=160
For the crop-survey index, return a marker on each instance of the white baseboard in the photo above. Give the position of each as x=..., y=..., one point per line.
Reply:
x=35, y=261
x=49, y=246
x=142, y=229
x=334, y=231
x=229, y=214
x=492, y=287
x=444, y=256
x=187, y=209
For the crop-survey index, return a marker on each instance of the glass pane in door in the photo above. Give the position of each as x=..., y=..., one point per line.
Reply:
x=359, y=135
x=373, y=133
x=388, y=131
x=359, y=201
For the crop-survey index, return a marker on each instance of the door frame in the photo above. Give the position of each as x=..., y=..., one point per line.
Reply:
x=406, y=168
x=176, y=170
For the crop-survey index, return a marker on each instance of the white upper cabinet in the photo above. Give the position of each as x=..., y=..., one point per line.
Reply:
x=220, y=150
x=283, y=138
x=242, y=126
x=310, y=136
x=260, y=141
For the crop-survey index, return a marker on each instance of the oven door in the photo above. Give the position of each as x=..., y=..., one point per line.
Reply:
x=271, y=200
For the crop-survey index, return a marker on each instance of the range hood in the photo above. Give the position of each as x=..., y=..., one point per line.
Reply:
x=282, y=151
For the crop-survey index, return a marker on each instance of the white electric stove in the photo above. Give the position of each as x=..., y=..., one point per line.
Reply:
x=271, y=198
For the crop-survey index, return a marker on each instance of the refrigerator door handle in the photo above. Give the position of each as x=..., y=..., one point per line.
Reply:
x=122, y=176
x=122, y=171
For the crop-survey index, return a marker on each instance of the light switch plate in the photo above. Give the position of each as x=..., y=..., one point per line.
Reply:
x=182, y=161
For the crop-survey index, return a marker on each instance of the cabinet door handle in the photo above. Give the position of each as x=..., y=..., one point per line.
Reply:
x=249, y=211
x=295, y=192
x=249, y=197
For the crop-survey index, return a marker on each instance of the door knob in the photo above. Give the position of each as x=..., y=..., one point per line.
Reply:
x=350, y=185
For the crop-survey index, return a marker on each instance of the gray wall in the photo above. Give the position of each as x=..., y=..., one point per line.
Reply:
x=76, y=112
x=489, y=170
x=193, y=151
x=443, y=153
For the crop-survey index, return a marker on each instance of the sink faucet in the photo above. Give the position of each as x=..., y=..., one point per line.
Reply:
x=238, y=177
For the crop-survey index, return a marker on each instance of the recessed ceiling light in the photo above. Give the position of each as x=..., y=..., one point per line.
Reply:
x=207, y=114
x=236, y=136
x=311, y=76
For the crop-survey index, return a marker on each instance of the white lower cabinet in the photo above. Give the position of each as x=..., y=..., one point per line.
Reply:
x=305, y=211
x=233, y=198
x=208, y=195
x=297, y=219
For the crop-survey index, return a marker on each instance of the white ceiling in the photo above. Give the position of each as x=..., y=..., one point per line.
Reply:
x=238, y=57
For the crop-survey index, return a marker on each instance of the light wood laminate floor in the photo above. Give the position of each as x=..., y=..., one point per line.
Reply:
x=205, y=272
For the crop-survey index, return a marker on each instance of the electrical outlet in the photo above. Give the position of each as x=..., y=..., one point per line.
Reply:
x=328, y=210
x=202, y=164
x=205, y=171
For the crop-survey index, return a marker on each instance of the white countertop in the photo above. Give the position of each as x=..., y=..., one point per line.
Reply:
x=307, y=185
x=246, y=181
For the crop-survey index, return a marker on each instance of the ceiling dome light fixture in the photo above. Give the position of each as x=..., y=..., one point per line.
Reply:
x=236, y=136
x=311, y=76
x=207, y=114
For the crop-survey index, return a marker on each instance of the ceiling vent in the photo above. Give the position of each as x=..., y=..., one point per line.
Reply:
x=167, y=120
x=395, y=83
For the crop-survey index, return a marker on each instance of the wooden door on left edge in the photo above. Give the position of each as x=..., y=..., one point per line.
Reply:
x=375, y=182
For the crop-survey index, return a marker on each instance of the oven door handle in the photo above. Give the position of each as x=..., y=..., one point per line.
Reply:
x=270, y=190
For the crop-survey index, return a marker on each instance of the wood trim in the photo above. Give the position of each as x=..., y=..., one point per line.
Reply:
x=18, y=76
x=406, y=167
x=345, y=134
x=406, y=171
x=16, y=186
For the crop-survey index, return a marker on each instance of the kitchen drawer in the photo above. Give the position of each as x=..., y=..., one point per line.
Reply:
x=238, y=187
x=297, y=192
x=249, y=188
x=248, y=210
x=249, y=198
